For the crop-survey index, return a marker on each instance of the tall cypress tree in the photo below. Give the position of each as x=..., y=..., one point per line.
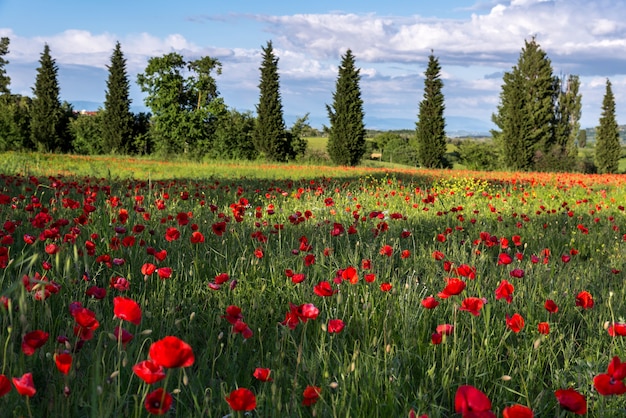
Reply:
x=270, y=136
x=346, y=137
x=568, y=111
x=46, y=123
x=5, y=80
x=608, y=150
x=430, y=126
x=526, y=112
x=117, y=119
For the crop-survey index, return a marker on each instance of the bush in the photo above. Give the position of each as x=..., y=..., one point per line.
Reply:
x=479, y=155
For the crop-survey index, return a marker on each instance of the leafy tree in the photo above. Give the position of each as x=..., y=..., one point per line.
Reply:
x=184, y=101
x=86, y=131
x=295, y=136
x=608, y=150
x=142, y=142
x=430, y=127
x=233, y=136
x=5, y=80
x=48, y=124
x=346, y=136
x=15, y=122
x=526, y=112
x=479, y=155
x=117, y=119
x=582, y=138
x=270, y=136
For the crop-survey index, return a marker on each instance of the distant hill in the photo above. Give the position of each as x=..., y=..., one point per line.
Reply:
x=591, y=134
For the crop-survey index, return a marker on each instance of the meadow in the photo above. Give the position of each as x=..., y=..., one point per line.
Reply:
x=132, y=287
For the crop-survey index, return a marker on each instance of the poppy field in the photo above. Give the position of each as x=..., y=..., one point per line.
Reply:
x=423, y=293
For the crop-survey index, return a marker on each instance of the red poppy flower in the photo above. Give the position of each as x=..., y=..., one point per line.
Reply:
x=454, y=287
x=606, y=385
x=445, y=329
x=517, y=273
x=164, y=272
x=149, y=371
x=298, y=278
x=472, y=305
x=505, y=291
x=219, y=228
x=465, y=270
x=430, y=302
x=350, y=274
x=25, y=385
x=122, y=335
x=617, y=329
x=551, y=306
x=385, y=287
x=63, y=362
x=517, y=411
x=127, y=309
x=310, y=395
x=172, y=352
x=504, y=259
x=515, y=323
x=323, y=289
x=309, y=260
x=233, y=314
x=262, y=374
x=158, y=402
x=584, y=300
x=147, y=269
x=471, y=402
x=335, y=326
x=438, y=255
x=543, y=328
x=33, y=340
x=386, y=250
x=96, y=292
x=5, y=385
x=572, y=401
x=436, y=338
x=172, y=234
x=241, y=399
x=370, y=277
x=242, y=328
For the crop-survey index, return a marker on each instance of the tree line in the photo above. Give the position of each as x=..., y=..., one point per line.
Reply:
x=537, y=118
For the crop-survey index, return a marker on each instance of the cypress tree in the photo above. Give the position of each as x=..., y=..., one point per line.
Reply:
x=526, y=112
x=5, y=80
x=608, y=150
x=568, y=111
x=346, y=137
x=117, y=119
x=46, y=112
x=270, y=136
x=430, y=127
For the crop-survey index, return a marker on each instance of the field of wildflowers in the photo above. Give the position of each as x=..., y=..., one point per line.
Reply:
x=375, y=294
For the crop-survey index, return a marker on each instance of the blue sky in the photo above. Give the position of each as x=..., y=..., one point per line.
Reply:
x=476, y=42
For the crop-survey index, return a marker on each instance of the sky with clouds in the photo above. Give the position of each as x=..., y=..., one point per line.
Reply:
x=476, y=41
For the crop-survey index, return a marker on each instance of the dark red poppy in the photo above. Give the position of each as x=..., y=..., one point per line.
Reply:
x=430, y=302
x=5, y=385
x=335, y=326
x=311, y=395
x=242, y=328
x=25, y=385
x=543, y=328
x=122, y=335
x=472, y=305
x=515, y=323
x=233, y=314
x=584, y=300
x=33, y=340
x=219, y=228
x=572, y=401
x=127, y=309
x=436, y=338
x=551, y=306
x=149, y=371
x=241, y=399
x=517, y=411
x=158, y=402
x=96, y=292
x=262, y=374
x=471, y=402
x=517, y=273
x=172, y=352
x=324, y=289
x=505, y=291
x=63, y=362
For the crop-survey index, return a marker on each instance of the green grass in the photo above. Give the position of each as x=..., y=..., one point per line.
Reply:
x=383, y=362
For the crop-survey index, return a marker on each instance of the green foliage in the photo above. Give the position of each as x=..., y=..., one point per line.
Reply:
x=142, y=142
x=346, y=136
x=233, y=136
x=533, y=115
x=47, y=124
x=184, y=101
x=15, y=122
x=479, y=155
x=430, y=127
x=5, y=80
x=608, y=150
x=117, y=119
x=567, y=122
x=397, y=149
x=86, y=132
x=270, y=136
x=582, y=138
x=297, y=140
